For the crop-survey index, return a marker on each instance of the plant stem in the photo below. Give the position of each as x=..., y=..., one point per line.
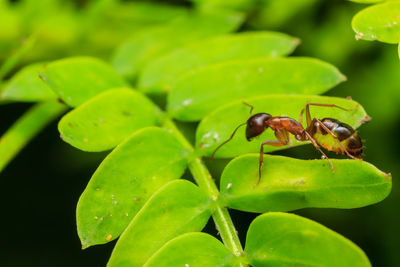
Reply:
x=11, y=62
x=26, y=127
x=205, y=181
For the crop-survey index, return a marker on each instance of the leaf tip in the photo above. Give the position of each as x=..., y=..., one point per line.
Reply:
x=296, y=41
x=388, y=176
x=84, y=244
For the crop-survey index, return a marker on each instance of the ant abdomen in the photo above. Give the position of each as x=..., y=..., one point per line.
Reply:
x=346, y=135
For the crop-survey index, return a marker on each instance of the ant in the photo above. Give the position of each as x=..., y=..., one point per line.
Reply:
x=345, y=138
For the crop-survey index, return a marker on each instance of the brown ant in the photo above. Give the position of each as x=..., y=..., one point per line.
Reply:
x=345, y=139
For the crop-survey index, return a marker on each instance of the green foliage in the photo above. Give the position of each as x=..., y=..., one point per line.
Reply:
x=26, y=86
x=274, y=13
x=379, y=22
x=211, y=132
x=280, y=239
x=115, y=114
x=119, y=188
x=367, y=1
x=193, y=249
x=199, y=92
x=26, y=127
x=131, y=56
x=161, y=74
x=207, y=74
x=76, y=80
x=177, y=208
x=289, y=184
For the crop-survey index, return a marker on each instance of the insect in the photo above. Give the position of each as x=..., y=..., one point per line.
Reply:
x=343, y=138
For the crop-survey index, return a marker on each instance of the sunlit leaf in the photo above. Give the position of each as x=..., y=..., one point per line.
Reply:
x=77, y=79
x=177, y=208
x=202, y=91
x=160, y=74
x=131, y=56
x=125, y=180
x=107, y=119
x=379, y=22
x=282, y=239
x=289, y=184
x=26, y=85
x=244, y=5
x=193, y=249
x=219, y=125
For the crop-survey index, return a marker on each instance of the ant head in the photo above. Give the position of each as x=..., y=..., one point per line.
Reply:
x=256, y=125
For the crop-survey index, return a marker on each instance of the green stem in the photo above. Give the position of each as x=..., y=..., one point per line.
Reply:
x=26, y=128
x=10, y=63
x=205, y=181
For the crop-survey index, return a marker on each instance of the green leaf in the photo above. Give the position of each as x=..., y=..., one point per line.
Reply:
x=219, y=125
x=289, y=184
x=281, y=239
x=124, y=181
x=107, y=119
x=177, y=208
x=78, y=79
x=272, y=14
x=367, y=1
x=378, y=22
x=193, y=249
x=26, y=86
x=134, y=13
x=244, y=5
x=203, y=90
x=160, y=74
x=149, y=44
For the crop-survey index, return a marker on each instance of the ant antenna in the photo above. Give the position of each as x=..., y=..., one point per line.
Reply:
x=226, y=141
x=234, y=132
x=250, y=106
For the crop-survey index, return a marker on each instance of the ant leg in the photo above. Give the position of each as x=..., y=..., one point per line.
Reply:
x=319, y=149
x=336, y=138
x=308, y=115
x=275, y=143
x=226, y=141
x=283, y=139
x=250, y=106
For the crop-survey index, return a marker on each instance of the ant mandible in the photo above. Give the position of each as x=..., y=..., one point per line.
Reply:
x=345, y=139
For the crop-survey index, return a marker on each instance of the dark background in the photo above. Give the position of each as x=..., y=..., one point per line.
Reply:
x=41, y=186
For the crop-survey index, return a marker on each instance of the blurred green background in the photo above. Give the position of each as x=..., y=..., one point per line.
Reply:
x=41, y=187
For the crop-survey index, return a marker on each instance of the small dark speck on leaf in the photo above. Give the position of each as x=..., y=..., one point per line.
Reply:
x=126, y=113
